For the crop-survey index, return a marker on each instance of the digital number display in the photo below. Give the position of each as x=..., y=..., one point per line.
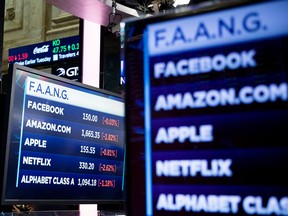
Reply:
x=60, y=47
x=45, y=52
x=61, y=146
x=18, y=57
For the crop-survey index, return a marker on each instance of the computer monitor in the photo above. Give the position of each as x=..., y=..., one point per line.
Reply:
x=206, y=107
x=65, y=141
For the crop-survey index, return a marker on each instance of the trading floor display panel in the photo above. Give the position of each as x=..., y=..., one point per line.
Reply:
x=60, y=57
x=207, y=99
x=65, y=141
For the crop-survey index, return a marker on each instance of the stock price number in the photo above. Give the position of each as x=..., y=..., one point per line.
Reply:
x=58, y=48
x=110, y=122
x=109, y=137
x=89, y=117
x=107, y=167
x=18, y=57
x=87, y=182
x=86, y=166
x=90, y=134
x=65, y=48
x=108, y=152
x=106, y=183
x=87, y=149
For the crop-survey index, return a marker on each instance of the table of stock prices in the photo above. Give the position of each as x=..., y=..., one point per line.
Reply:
x=68, y=138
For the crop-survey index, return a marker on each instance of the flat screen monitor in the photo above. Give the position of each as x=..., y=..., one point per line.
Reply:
x=65, y=141
x=207, y=112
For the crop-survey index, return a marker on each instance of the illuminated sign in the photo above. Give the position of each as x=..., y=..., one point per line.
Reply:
x=69, y=71
x=46, y=52
x=65, y=141
x=207, y=100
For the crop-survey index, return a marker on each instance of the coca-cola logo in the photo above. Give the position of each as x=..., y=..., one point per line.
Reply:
x=43, y=49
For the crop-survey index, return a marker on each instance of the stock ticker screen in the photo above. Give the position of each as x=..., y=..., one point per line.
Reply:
x=60, y=57
x=45, y=52
x=65, y=141
x=208, y=123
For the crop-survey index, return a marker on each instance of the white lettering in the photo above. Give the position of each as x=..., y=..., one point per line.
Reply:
x=185, y=133
x=205, y=64
x=37, y=161
x=45, y=107
x=256, y=205
x=204, y=168
x=196, y=203
x=48, y=126
x=223, y=97
x=35, y=142
x=43, y=49
x=29, y=179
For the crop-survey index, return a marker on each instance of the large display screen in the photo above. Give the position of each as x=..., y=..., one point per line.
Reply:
x=65, y=141
x=207, y=111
